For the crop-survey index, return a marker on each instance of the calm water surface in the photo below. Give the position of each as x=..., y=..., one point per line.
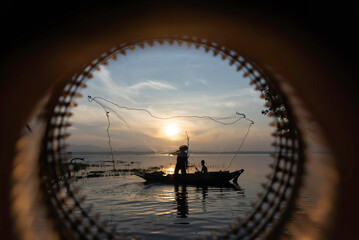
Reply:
x=162, y=211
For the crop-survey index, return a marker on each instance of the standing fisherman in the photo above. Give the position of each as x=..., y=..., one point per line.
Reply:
x=182, y=160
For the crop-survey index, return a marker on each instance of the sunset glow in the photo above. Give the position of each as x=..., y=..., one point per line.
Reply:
x=171, y=170
x=171, y=130
x=172, y=81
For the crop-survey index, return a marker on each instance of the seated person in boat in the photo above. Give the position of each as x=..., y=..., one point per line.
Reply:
x=204, y=168
x=182, y=160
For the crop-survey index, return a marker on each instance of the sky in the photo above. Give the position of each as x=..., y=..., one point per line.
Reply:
x=169, y=81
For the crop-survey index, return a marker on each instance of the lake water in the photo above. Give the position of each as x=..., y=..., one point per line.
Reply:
x=162, y=211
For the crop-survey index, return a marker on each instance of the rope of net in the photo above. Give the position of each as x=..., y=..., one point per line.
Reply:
x=218, y=120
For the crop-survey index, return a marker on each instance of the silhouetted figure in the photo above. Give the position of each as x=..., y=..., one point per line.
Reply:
x=204, y=168
x=182, y=160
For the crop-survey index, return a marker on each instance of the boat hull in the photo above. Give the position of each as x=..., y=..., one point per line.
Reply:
x=192, y=178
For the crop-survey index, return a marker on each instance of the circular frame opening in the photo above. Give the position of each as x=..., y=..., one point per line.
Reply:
x=269, y=213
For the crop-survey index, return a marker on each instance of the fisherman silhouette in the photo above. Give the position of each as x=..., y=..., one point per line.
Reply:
x=182, y=160
x=204, y=168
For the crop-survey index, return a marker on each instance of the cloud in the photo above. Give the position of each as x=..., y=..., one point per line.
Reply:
x=104, y=75
x=204, y=82
x=103, y=82
x=230, y=104
x=148, y=84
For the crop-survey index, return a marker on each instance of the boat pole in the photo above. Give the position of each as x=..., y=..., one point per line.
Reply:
x=188, y=151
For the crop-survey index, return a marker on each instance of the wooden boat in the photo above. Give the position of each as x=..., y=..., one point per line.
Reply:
x=192, y=178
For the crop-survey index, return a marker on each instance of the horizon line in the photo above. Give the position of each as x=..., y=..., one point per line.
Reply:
x=154, y=152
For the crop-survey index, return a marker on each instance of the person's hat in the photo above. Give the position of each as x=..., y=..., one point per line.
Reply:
x=183, y=147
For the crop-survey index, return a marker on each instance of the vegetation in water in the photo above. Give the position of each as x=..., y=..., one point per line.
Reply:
x=103, y=169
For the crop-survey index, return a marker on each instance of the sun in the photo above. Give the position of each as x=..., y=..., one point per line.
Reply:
x=171, y=130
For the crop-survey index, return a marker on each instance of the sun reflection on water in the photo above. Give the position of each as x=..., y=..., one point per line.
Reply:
x=170, y=170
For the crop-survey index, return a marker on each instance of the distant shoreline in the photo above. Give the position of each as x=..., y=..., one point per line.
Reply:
x=154, y=153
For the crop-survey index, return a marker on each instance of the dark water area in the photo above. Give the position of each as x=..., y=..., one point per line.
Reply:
x=164, y=211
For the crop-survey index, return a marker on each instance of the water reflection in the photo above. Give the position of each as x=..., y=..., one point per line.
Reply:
x=181, y=195
x=181, y=199
x=204, y=190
